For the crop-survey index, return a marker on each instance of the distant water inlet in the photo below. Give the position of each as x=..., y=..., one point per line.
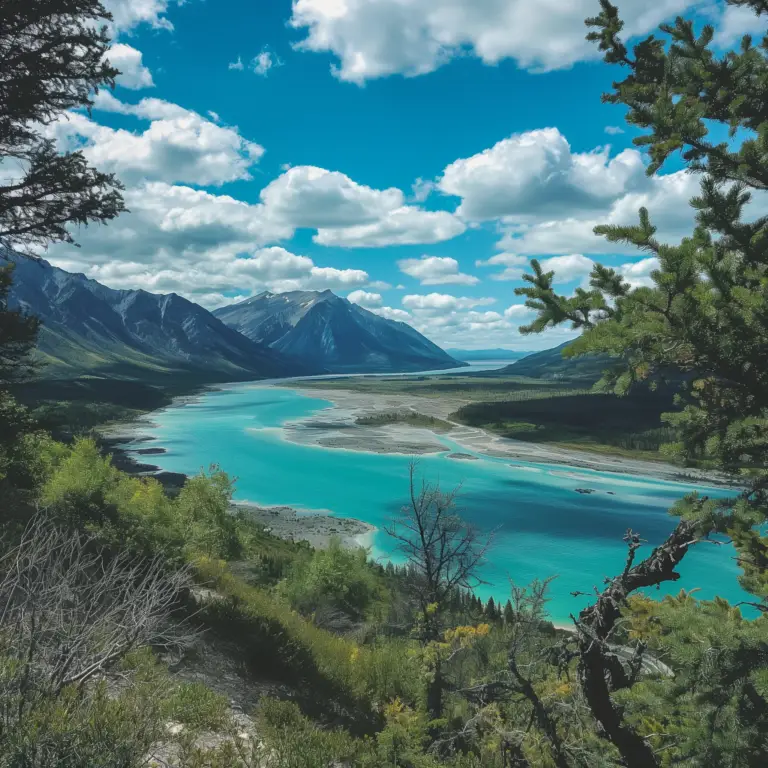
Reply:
x=546, y=526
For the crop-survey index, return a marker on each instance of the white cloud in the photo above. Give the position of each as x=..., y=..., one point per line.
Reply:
x=214, y=116
x=236, y=65
x=613, y=130
x=178, y=145
x=133, y=73
x=638, y=273
x=171, y=223
x=510, y=261
x=535, y=173
x=349, y=214
x=264, y=62
x=316, y=198
x=200, y=250
x=129, y=14
x=436, y=270
x=518, y=312
x=376, y=38
x=666, y=197
x=735, y=22
x=392, y=313
x=407, y=225
x=379, y=285
x=567, y=268
x=443, y=302
x=421, y=189
x=366, y=299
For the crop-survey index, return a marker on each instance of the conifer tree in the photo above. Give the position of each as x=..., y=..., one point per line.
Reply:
x=705, y=316
x=52, y=54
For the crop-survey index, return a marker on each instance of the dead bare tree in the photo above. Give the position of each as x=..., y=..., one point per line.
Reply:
x=69, y=612
x=531, y=652
x=443, y=553
x=601, y=670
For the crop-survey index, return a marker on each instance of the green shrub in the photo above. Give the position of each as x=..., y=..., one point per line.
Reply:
x=335, y=579
x=295, y=742
x=197, y=706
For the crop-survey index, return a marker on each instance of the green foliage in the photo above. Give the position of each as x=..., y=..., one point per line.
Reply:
x=295, y=742
x=334, y=579
x=130, y=512
x=631, y=423
x=81, y=727
x=279, y=643
x=704, y=319
x=197, y=706
x=64, y=45
x=18, y=334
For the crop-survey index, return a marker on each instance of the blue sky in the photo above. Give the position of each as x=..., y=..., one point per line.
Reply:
x=410, y=154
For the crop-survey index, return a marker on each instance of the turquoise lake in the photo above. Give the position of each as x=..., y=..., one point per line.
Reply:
x=545, y=527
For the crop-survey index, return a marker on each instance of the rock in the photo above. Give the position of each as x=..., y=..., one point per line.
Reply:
x=585, y=490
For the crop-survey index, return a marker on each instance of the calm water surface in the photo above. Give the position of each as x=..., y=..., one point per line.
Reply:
x=546, y=528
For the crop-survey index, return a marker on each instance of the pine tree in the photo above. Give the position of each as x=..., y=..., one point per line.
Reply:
x=705, y=316
x=52, y=54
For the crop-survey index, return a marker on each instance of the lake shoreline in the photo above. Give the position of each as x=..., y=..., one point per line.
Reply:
x=316, y=527
x=337, y=427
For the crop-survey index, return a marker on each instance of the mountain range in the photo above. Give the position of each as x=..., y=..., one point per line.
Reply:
x=88, y=328
x=550, y=364
x=323, y=329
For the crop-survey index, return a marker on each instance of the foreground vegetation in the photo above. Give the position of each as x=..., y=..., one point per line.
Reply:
x=109, y=586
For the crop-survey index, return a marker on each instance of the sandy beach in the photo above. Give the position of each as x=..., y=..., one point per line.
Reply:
x=337, y=427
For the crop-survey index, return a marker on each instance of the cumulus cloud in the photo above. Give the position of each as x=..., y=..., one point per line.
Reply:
x=392, y=313
x=348, y=214
x=512, y=262
x=376, y=38
x=436, y=270
x=129, y=14
x=535, y=173
x=638, y=273
x=735, y=22
x=366, y=299
x=666, y=197
x=236, y=65
x=443, y=302
x=453, y=321
x=518, y=312
x=178, y=145
x=133, y=73
x=613, y=130
x=201, y=259
x=574, y=266
x=407, y=225
x=316, y=198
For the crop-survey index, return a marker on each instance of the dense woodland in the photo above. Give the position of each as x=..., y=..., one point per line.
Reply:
x=112, y=589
